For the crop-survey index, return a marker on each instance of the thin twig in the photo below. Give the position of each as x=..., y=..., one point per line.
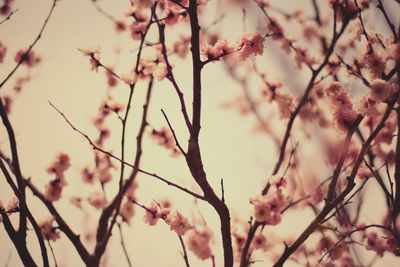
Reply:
x=9, y=16
x=25, y=209
x=123, y=245
x=185, y=256
x=124, y=162
x=31, y=46
x=52, y=253
x=173, y=133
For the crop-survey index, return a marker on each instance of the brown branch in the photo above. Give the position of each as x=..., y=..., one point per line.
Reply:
x=11, y=136
x=171, y=77
x=22, y=249
x=391, y=25
x=173, y=133
x=337, y=171
x=197, y=66
x=103, y=234
x=62, y=225
x=303, y=101
x=124, y=162
x=124, y=246
x=185, y=256
x=31, y=46
x=330, y=205
x=8, y=16
x=396, y=203
x=24, y=209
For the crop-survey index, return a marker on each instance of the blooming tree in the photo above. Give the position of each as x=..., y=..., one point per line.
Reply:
x=318, y=79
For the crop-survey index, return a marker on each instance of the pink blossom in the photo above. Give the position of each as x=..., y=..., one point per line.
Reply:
x=221, y=48
x=380, y=90
x=267, y=209
x=120, y=25
x=59, y=166
x=173, y=12
x=76, y=201
x=375, y=63
x=161, y=71
x=198, y=241
x=344, y=118
x=178, y=223
x=154, y=213
x=181, y=47
x=48, y=231
x=142, y=4
x=334, y=89
x=311, y=30
x=356, y=30
x=94, y=53
x=130, y=193
x=151, y=215
x=5, y=8
x=29, y=59
x=251, y=44
x=375, y=243
x=393, y=52
x=345, y=10
x=97, y=200
x=53, y=190
x=127, y=211
x=260, y=242
x=317, y=195
x=285, y=105
x=138, y=27
x=366, y=106
x=19, y=83
x=88, y=176
x=301, y=56
x=12, y=204
x=91, y=50
x=165, y=138
x=103, y=175
x=111, y=79
x=273, y=27
x=129, y=78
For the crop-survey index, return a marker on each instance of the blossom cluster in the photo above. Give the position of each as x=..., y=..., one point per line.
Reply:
x=175, y=219
x=267, y=208
x=54, y=188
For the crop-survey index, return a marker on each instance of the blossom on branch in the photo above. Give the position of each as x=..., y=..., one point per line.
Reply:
x=127, y=211
x=53, y=190
x=198, y=240
x=12, y=204
x=250, y=44
x=48, y=231
x=97, y=200
x=26, y=58
x=178, y=223
x=59, y=166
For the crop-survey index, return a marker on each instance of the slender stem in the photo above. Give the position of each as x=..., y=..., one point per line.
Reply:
x=125, y=162
x=330, y=205
x=62, y=225
x=52, y=253
x=26, y=211
x=31, y=46
x=185, y=256
x=123, y=245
